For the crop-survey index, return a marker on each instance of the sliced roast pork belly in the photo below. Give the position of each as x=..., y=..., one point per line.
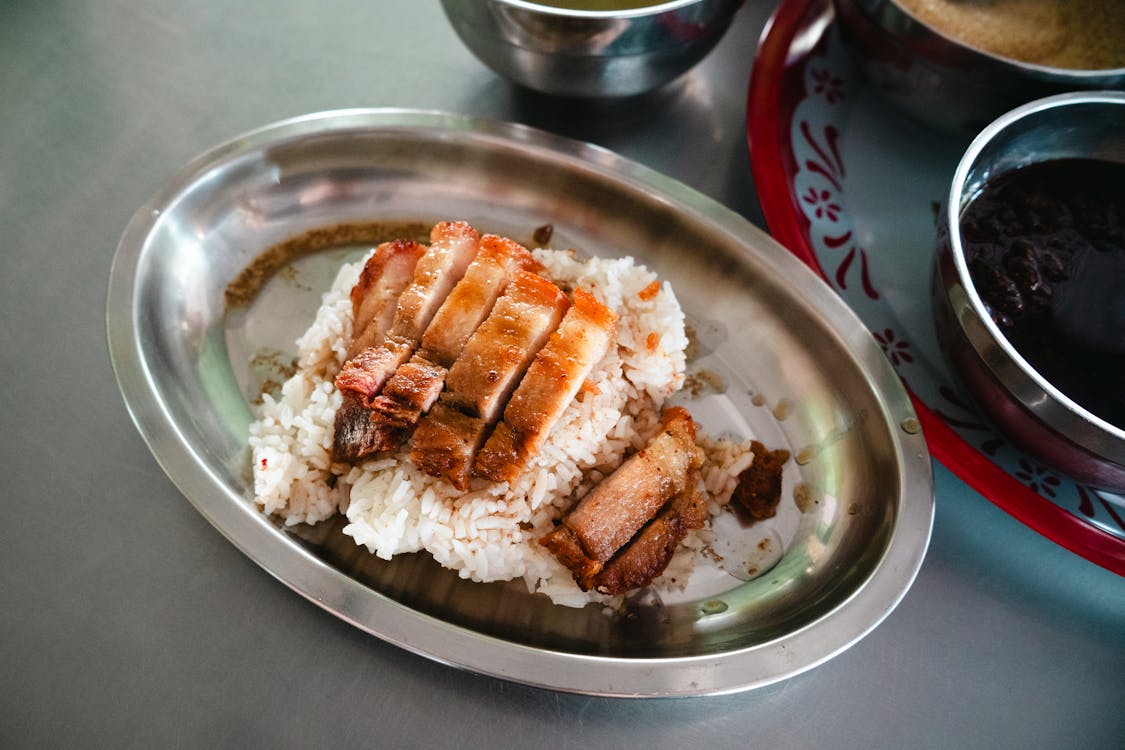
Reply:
x=478, y=384
x=470, y=302
x=415, y=386
x=375, y=296
x=353, y=436
x=452, y=247
x=650, y=551
x=549, y=386
x=611, y=514
x=388, y=271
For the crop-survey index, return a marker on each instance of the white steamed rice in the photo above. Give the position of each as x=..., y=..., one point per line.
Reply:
x=488, y=533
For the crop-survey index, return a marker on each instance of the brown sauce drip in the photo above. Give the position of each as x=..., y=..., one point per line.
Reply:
x=244, y=289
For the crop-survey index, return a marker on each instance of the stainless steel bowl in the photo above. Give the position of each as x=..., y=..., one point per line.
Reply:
x=1029, y=410
x=584, y=53
x=944, y=82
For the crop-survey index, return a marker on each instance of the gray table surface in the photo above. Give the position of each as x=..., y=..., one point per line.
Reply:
x=127, y=621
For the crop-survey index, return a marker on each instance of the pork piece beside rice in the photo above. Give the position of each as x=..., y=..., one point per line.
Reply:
x=549, y=447
x=607, y=540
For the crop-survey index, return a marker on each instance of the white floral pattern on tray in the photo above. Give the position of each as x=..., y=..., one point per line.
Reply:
x=890, y=290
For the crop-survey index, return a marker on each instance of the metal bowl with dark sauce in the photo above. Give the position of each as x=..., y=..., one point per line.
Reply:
x=1045, y=246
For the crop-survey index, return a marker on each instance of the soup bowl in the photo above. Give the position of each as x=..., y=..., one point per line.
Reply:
x=943, y=80
x=577, y=51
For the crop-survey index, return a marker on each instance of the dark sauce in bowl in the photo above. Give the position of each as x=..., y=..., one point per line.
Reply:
x=1045, y=247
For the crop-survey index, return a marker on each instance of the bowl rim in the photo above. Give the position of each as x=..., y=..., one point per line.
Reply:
x=651, y=9
x=955, y=202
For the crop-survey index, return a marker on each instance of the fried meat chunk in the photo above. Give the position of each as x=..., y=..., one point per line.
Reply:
x=650, y=551
x=479, y=383
x=416, y=385
x=452, y=247
x=375, y=296
x=612, y=513
x=549, y=386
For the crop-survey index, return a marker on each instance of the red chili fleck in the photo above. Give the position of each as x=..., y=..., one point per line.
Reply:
x=652, y=341
x=649, y=291
x=264, y=463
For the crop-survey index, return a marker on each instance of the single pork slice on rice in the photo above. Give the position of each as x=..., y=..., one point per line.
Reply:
x=607, y=520
x=385, y=275
x=481, y=380
x=453, y=246
x=416, y=385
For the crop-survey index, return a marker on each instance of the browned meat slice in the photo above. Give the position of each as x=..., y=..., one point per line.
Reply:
x=440, y=267
x=353, y=436
x=759, y=487
x=470, y=302
x=549, y=386
x=415, y=386
x=452, y=247
x=496, y=356
x=480, y=381
x=650, y=551
x=362, y=376
x=409, y=394
x=608, y=517
x=375, y=296
x=444, y=443
x=385, y=275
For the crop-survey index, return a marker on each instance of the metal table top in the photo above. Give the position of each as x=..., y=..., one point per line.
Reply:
x=128, y=621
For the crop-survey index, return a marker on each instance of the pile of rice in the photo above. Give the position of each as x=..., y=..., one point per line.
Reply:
x=489, y=533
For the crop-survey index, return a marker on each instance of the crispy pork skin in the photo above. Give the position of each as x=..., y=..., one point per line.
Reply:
x=478, y=384
x=415, y=386
x=375, y=296
x=611, y=514
x=551, y=382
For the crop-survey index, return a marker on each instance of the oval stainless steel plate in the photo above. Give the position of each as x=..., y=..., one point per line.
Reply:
x=780, y=355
